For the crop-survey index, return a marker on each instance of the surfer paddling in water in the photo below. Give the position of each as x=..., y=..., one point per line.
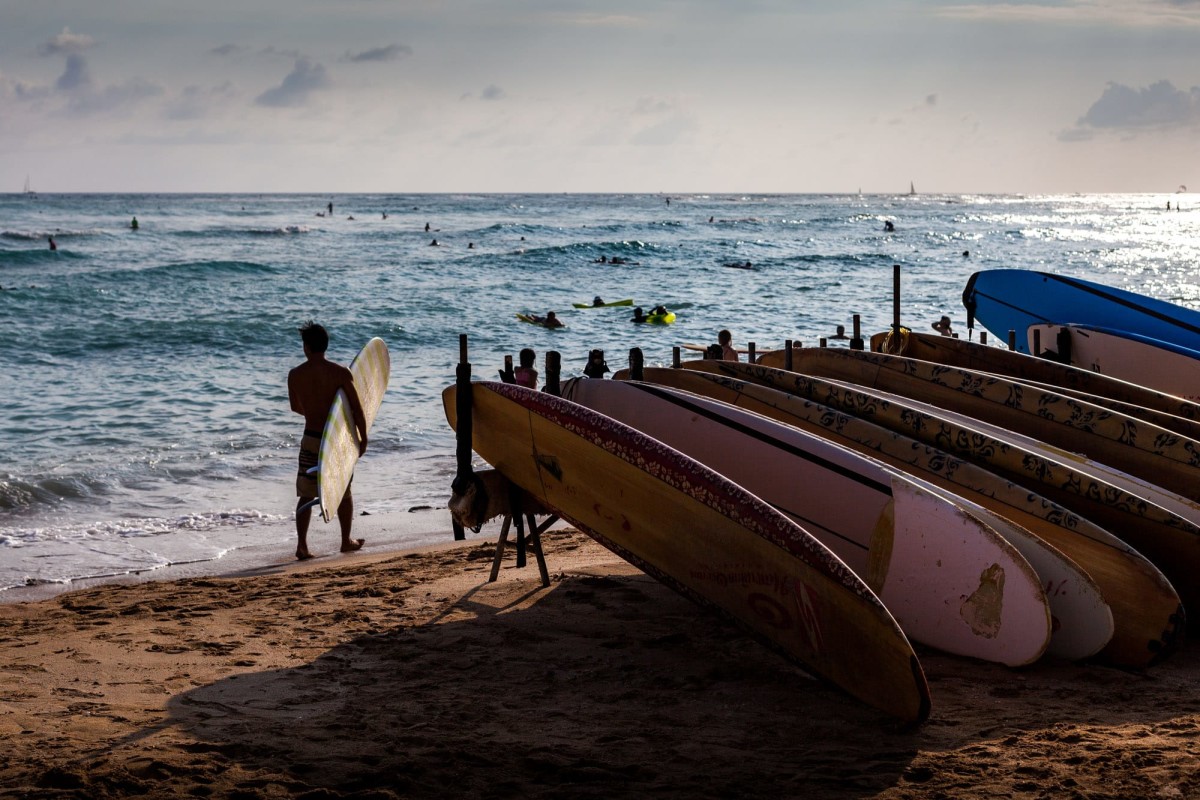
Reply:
x=312, y=387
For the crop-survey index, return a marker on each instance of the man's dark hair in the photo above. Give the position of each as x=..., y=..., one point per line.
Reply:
x=315, y=337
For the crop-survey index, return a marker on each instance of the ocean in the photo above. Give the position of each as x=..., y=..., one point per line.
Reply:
x=145, y=370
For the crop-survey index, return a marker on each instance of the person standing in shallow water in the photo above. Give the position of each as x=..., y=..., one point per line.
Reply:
x=312, y=387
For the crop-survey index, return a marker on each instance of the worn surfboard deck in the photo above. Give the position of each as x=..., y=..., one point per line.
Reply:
x=1171, y=542
x=1014, y=299
x=1140, y=448
x=1171, y=412
x=950, y=580
x=1139, y=359
x=701, y=534
x=339, y=441
x=1145, y=609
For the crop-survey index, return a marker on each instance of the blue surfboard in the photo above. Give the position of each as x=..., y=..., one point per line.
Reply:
x=1013, y=299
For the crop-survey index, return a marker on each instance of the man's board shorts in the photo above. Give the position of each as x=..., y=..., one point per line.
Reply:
x=310, y=449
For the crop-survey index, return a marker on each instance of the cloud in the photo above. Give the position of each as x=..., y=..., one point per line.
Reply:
x=305, y=78
x=1115, y=13
x=87, y=101
x=392, y=52
x=652, y=105
x=66, y=43
x=1159, y=105
x=492, y=92
x=76, y=76
x=227, y=50
x=195, y=102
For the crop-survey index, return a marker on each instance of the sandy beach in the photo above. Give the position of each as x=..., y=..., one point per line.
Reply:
x=410, y=675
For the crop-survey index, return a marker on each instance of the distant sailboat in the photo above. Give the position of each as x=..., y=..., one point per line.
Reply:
x=911, y=189
x=29, y=192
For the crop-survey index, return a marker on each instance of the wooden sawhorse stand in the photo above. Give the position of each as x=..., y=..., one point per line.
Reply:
x=534, y=538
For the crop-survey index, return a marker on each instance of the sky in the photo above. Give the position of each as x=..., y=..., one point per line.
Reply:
x=671, y=96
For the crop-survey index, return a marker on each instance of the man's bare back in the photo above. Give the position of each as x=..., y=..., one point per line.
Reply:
x=312, y=387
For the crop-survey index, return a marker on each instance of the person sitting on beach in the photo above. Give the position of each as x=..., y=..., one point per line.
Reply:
x=596, y=366
x=841, y=333
x=597, y=301
x=312, y=387
x=713, y=353
x=942, y=326
x=525, y=375
x=725, y=340
x=638, y=315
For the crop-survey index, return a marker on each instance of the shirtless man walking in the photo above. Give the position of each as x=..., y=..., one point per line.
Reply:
x=311, y=389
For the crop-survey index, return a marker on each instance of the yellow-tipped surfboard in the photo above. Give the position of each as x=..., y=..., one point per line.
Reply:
x=339, y=441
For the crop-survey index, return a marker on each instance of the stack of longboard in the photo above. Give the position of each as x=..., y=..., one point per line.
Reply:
x=859, y=502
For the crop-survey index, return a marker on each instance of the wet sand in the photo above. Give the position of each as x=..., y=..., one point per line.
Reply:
x=409, y=675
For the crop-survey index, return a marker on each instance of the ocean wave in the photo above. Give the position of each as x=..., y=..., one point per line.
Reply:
x=57, y=233
x=227, y=232
x=42, y=255
x=136, y=527
x=203, y=269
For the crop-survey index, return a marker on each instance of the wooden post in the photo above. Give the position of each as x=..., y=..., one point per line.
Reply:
x=1037, y=342
x=896, y=305
x=750, y=352
x=463, y=433
x=822, y=342
x=1012, y=339
x=856, y=341
x=553, y=365
x=983, y=337
x=636, y=363
x=517, y=512
x=787, y=355
x=675, y=362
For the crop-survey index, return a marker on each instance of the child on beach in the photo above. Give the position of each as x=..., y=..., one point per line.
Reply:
x=525, y=375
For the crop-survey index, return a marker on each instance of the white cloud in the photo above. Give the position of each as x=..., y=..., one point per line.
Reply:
x=66, y=43
x=1118, y=13
x=196, y=102
x=305, y=78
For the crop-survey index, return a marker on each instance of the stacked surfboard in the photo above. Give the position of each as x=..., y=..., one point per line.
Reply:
x=1100, y=328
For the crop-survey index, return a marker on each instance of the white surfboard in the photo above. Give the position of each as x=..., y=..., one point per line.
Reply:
x=950, y=580
x=340, y=441
x=1161, y=366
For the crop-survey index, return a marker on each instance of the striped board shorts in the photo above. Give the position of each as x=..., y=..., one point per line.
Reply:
x=310, y=448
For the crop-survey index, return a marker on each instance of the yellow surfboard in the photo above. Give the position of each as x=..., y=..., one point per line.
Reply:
x=701, y=534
